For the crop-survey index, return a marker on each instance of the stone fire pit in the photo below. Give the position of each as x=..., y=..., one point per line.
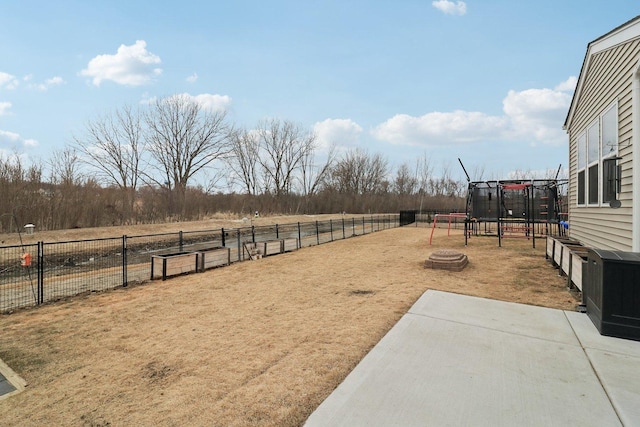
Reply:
x=447, y=259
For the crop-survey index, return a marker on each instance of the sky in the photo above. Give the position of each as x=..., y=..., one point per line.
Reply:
x=485, y=81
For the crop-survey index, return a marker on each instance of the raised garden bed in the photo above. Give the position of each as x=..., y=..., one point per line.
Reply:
x=578, y=267
x=213, y=257
x=554, y=248
x=289, y=244
x=271, y=247
x=163, y=266
x=565, y=257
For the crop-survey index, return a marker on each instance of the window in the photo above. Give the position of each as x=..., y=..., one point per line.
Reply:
x=582, y=163
x=610, y=168
x=581, y=187
x=598, y=172
x=593, y=158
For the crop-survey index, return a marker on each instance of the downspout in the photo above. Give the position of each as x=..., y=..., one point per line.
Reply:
x=635, y=162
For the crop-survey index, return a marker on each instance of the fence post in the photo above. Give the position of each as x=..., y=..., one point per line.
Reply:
x=224, y=243
x=181, y=242
x=40, y=280
x=124, y=261
x=317, y=233
x=299, y=237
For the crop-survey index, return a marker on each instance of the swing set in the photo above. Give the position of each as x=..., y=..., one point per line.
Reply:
x=514, y=209
x=511, y=209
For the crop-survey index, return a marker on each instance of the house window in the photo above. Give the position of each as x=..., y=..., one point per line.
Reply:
x=610, y=169
x=582, y=163
x=598, y=174
x=593, y=160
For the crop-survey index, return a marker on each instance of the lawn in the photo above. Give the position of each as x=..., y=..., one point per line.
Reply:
x=256, y=343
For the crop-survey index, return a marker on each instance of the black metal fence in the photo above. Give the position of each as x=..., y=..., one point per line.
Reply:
x=33, y=274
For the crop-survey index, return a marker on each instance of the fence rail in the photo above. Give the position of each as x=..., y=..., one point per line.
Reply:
x=34, y=274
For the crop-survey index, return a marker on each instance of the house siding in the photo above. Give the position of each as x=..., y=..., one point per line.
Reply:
x=608, y=79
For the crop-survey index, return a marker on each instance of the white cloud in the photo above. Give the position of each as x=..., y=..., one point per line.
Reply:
x=4, y=108
x=30, y=143
x=537, y=114
x=440, y=128
x=148, y=99
x=13, y=140
x=339, y=132
x=7, y=81
x=192, y=78
x=6, y=136
x=132, y=65
x=533, y=116
x=54, y=81
x=207, y=101
x=450, y=8
x=568, y=85
x=211, y=102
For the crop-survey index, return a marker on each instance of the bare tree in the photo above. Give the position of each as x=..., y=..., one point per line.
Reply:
x=312, y=175
x=113, y=145
x=358, y=172
x=424, y=174
x=478, y=173
x=283, y=146
x=65, y=167
x=183, y=138
x=66, y=204
x=405, y=182
x=20, y=199
x=243, y=162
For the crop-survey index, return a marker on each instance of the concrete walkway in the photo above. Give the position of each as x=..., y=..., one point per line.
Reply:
x=10, y=382
x=455, y=360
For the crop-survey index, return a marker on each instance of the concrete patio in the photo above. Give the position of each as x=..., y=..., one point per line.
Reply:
x=460, y=360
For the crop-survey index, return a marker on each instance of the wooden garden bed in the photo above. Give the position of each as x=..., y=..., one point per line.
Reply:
x=163, y=266
x=213, y=257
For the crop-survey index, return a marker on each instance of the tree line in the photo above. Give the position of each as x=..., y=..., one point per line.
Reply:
x=168, y=161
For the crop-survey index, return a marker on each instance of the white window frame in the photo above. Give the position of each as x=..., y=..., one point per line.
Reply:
x=587, y=158
x=607, y=148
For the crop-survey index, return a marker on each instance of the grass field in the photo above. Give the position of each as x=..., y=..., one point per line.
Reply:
x=256, y=343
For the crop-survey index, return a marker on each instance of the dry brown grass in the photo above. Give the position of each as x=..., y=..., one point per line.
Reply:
x=255, y=343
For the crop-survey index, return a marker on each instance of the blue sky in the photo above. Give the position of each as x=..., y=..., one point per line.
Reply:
x=487, y=81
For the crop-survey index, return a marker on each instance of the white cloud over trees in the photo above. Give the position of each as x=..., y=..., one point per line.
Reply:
x=336, y=132
x=13, y=140
x=131, y=65
x=533, y=116
x=210, y=102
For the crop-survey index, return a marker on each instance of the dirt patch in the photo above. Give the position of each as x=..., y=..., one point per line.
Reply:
x=256, y=343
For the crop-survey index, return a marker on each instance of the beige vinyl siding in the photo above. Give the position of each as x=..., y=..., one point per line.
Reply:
x=608, y=79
